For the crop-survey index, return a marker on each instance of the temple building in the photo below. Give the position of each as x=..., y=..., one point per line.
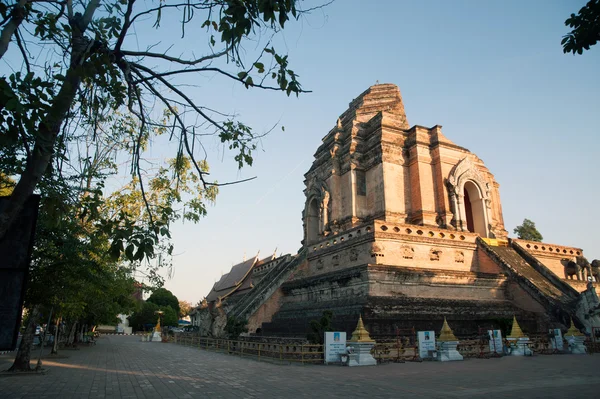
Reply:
x=405, y=227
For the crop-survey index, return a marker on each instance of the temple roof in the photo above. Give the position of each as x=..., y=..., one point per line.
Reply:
x=232, y=280
x=238, y=280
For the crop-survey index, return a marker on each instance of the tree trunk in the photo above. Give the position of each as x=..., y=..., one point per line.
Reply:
x=56, y=336
x=50, y=125
x=18, y=14
x=71, y=337
x=23, y=357
x=78, y=333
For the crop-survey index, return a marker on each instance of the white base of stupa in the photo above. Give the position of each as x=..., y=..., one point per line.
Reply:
x=446, y=352
x=361, y=354
x=576, y=345
x=156, y=336
x=519, y=347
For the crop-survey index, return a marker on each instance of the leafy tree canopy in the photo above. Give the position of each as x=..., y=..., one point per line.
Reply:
x=319, y=327
x=145, y=318
x=235, y=327
x=85, y=97
x=163, y=297
x=185, y=308
x=6, y=185
x=72, y=275
x=527, y=231
x=585, y=29
x=94, y=83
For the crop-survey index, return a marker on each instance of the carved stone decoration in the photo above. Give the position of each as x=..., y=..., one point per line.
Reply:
x=320, y=264
x=333, y=150
x=335, y=260
x=596, y=269
x=465, y=171
x=434, y=254
x=325, y=209
x=407, y=252
x=571, y=269
x=204, y=303
x=353, y=254
x=586, y=268
x=376, y=250
x=459, y=257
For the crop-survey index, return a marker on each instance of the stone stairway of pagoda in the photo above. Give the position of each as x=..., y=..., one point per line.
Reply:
x=557, y=297
x=269, y=283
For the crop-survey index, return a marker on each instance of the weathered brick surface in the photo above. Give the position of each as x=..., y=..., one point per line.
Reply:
x=486, y=264
x=404, y=206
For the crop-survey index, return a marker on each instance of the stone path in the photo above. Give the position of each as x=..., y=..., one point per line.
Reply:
x=124, y=367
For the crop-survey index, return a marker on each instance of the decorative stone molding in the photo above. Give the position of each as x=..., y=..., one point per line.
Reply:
x=549, y=249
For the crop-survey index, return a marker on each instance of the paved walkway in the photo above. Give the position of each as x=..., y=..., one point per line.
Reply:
x=124, y=367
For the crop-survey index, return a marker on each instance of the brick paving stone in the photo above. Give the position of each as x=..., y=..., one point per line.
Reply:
x=124, y=367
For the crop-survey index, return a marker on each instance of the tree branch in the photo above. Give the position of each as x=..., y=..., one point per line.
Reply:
x=179, y=93
x=125, y=26
x=232, y=182
x=186, y=4
x=23, y=51
x=175, y=59
x=154, y=75
x=89, y=13
x=139, y=172
x=18, y=14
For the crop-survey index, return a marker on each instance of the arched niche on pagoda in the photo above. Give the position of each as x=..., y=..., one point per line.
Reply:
x=470, y=198
x=317, y=211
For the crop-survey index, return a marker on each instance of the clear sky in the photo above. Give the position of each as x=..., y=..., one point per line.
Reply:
x=492, y=73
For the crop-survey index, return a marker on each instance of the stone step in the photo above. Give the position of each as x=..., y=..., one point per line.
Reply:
x=559, y=302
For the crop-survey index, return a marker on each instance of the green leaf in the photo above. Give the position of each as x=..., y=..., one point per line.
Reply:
x=260, y=66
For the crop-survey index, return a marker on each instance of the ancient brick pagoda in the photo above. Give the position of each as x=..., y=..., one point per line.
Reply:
x=405, y=227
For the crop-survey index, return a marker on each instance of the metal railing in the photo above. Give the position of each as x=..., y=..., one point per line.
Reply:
x=284, y=353
x=404, y=349
x=398, y=350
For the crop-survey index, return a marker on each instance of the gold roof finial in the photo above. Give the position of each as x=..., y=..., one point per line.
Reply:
x=446, y=333
x=573, y=330
x=516, y=331
x=360, y=334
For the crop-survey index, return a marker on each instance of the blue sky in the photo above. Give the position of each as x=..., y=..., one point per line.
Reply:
x=491, y=73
